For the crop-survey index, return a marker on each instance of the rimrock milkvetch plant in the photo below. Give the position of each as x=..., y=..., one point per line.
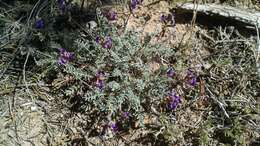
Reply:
x=119, y=66
x=101, y=80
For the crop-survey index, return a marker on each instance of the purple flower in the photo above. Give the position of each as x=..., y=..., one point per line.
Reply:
x=105, y=43
x=170, y=72
x=97, y=39
x=65, y=56
x=125, y=115
x=111, y=15
x=192, y=79
x=108, y=43
x=100, y=84
x=62, y=61
x=100, y=74
x=163, y=18
x=39, y=24
x=62, y=4
x=114, y=127
x=170, y=18
x=134, y=3
x=174, y=100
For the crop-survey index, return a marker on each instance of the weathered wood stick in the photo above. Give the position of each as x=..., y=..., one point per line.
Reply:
x=248, y=17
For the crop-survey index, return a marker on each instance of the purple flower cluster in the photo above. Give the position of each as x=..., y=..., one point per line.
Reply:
x=111, y=15
x=191, y=78
x=170, y=72
x=39, y=24
x=168, y=19
x=100, y=83
x=107, y=43
x=174, y=100
x=65, y=56
x=135, y=3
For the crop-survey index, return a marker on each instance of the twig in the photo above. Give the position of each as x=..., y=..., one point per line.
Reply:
x=45, y=3
x=32, y=12
x=24, y=66
x=34, y=84
x=82, y=5
x=221, y=105
x=257, y=48
x=231, y=41
x=195, y=10
x=24, y=74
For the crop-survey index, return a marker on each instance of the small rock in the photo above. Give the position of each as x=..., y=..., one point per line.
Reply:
x=33, y=108
x=91, y=25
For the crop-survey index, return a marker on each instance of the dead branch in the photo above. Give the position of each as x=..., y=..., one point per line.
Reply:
x=244, y=16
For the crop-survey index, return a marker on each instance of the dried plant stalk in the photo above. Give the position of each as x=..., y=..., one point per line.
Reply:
x=245, y=16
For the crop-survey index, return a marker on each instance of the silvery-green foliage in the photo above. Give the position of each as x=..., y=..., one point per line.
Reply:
x=129, y=81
